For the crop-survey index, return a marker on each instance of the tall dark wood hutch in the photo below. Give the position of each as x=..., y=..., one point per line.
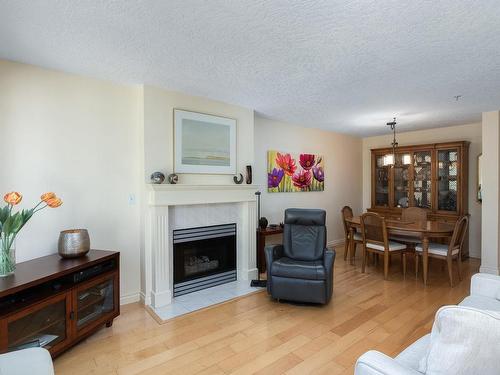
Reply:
x=431, y=176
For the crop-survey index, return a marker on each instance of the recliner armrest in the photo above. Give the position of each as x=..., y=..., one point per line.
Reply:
x=486, y=285
x=377, y=363
x=272, y=253
x=275, y=250
x=328, y=260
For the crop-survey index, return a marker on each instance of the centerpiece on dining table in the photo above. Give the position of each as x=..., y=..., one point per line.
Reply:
x=12, y=222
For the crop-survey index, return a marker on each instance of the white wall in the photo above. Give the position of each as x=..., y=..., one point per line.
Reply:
x=343, y=177
x=159, y=106
x=469, y=132
x=490, y=189
x=75, y=136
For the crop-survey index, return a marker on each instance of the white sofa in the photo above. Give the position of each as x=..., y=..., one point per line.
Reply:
x=26, y=362
x=485, y=295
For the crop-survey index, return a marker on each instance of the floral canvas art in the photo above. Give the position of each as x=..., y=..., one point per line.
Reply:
x=288, y=172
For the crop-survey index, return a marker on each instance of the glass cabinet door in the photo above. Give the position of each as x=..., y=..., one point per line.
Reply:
x=43, y=327
x=381, y=182
x=422, y=179
x=401, y=182
x=447, y=185
x=94, y=301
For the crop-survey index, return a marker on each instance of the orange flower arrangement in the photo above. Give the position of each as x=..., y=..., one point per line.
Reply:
x=11, y=223
x=13, y=198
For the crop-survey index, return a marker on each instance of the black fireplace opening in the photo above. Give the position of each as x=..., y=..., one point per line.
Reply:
x=204, y=257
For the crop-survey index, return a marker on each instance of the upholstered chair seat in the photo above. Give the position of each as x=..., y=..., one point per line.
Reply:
x=437, y=249
x=302, y=268
x=391, y=245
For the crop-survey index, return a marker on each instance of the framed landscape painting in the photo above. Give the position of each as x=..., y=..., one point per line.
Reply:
x=204, y=143
x=287, y=172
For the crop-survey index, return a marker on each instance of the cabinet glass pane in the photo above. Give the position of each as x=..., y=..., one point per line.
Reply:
x=94, y=302
x=401, y=182
x=381, y=183
x=45, y=327
x=422, y=180
x=447, y=180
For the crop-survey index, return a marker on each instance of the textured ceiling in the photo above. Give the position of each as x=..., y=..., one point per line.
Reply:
x=347, y=66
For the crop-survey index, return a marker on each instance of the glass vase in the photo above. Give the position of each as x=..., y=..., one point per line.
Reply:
x=7, y=257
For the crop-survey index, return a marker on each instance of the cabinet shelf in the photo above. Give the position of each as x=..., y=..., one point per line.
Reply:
x=44, y=328
x=436, y=179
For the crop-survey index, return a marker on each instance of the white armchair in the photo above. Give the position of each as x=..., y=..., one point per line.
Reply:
x=485, y=295
x=376, y=363
x=26, y=362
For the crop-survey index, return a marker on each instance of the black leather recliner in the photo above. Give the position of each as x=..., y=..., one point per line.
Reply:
x=302, y=268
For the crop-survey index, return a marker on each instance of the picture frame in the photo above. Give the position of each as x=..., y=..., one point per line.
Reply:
x=204, y=143
x=292, y=172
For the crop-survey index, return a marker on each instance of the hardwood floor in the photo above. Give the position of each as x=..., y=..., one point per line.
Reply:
x=255, y=335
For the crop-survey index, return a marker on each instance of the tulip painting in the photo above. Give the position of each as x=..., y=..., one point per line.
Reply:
x=289, y=172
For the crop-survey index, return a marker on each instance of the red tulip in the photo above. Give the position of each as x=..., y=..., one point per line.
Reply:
x=307, y=161
x=286, y=163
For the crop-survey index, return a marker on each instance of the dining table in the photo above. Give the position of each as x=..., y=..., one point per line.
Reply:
x=424, y=230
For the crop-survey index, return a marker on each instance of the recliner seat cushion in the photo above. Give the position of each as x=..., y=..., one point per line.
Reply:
x=299, y=269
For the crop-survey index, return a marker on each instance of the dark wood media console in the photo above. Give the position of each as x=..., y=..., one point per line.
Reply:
x=55, y=303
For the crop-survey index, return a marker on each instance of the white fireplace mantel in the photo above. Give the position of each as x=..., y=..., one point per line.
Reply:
x=180, y=194
x=161, y=201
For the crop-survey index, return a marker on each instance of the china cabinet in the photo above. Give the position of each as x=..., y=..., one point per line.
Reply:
x=430, y=176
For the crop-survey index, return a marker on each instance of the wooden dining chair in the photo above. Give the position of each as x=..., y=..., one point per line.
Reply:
x=414, y=214
x=375, y=240
x=411, y=215
x=358, y=238
x=450, y=252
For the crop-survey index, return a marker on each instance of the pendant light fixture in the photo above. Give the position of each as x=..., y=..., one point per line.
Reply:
x=390, y=160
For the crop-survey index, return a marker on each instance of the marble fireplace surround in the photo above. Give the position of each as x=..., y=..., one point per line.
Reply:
x=180, y=206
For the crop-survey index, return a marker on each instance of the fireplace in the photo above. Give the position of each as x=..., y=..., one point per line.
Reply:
x=204, y=257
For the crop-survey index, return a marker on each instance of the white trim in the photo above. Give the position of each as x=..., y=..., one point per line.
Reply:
x=179, y=167
x=174, y=195
x=143, y=299
x=130, y=298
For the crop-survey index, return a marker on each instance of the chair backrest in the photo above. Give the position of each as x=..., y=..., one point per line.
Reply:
x=374, y=229
x=304, y=234
x=414, y=214
x=346, y=214
x=458, y=237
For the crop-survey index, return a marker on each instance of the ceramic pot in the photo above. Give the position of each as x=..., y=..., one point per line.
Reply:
x=73, y=243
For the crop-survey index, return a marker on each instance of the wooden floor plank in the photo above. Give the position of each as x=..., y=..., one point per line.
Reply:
x=256, y=335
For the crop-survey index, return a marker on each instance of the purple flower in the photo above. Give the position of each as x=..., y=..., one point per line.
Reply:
x=274, y=178
x=319, y=175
